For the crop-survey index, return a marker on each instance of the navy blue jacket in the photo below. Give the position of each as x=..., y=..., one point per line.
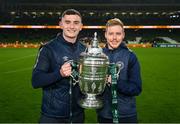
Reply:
x=128, y=84
x=46, y=75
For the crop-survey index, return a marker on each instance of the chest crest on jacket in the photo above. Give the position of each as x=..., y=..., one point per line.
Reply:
x=120, y=64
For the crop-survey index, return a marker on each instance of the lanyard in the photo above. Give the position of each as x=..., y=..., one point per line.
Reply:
x=114, y=72
x=72, y=82
x=70, y=94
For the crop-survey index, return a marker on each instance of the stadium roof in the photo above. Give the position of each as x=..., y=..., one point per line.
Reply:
x=96, y=1
x=135, y=10
x=89, y=4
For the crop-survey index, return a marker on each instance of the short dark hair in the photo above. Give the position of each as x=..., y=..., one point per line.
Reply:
x=71, y=12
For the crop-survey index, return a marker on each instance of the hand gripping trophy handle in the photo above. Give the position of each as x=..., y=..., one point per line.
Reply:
x=74, y=74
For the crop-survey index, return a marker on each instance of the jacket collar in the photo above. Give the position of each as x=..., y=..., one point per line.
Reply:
x=61, y=39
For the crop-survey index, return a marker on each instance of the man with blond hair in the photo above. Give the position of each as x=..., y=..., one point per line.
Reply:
x=129, y=79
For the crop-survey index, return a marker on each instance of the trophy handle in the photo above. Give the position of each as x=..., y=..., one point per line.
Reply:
x=75, y=74
x=118, y=67
x=114, y=70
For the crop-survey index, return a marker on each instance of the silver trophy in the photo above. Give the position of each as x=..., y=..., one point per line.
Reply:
x=93, y=69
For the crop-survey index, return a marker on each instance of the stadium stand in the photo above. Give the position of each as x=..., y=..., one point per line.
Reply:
x=95, y=13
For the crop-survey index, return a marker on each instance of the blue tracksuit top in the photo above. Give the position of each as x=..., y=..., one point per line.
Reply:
x=128, y=84
x=46, y=75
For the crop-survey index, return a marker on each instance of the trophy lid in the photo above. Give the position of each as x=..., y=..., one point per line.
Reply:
x=94, y=52
x=94, y=49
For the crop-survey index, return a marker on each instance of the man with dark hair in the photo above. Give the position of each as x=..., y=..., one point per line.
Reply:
x=120, y=103
x=52, y=73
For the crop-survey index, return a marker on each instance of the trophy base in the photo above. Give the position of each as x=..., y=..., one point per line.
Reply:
x=91, y=102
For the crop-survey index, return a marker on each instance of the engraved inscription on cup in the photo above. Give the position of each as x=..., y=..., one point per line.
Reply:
x=93, y=72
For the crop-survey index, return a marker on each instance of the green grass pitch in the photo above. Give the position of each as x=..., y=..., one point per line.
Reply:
x=159, y=101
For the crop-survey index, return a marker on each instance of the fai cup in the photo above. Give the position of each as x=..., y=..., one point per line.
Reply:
x=93, y=69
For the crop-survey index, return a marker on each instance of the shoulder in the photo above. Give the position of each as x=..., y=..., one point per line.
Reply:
x=47, y=46
x=130, y=52
x=132, y=57
x=50, y=43
x=82, y=45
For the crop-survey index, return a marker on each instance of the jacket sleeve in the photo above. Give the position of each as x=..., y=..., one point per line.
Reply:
x=133, y=85
x=41, y=76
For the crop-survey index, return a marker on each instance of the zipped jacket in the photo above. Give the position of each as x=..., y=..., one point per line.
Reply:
x=128, y=83
x=56, y=101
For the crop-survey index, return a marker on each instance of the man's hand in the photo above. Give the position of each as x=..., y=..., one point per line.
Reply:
x=65, y=70
x=109, y=80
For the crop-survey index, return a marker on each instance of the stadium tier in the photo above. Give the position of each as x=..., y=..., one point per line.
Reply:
x=139, y=18
x=94, y=12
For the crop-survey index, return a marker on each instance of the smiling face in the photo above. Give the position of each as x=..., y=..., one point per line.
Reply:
x=114, y=33
x=71, y=26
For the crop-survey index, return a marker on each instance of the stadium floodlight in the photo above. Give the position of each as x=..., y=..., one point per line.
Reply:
x=171, y=13
x=58, y=13
x=163, y=13
x=123, y=13
x=34, y=13
x=139, y=13
x=131, y=13
x=50, y=13
x=115, y=13
x=174, y=16
x=147, y=13
x=26, y=13
x=107, y=13
x=42, y=13
x=13, y=13
x=91, y=13
x=155, y=13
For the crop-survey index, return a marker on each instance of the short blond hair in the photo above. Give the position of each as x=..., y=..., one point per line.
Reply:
x=113, y=22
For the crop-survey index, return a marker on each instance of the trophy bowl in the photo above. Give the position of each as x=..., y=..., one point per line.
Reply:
x=92, y=78
x=93, y=71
